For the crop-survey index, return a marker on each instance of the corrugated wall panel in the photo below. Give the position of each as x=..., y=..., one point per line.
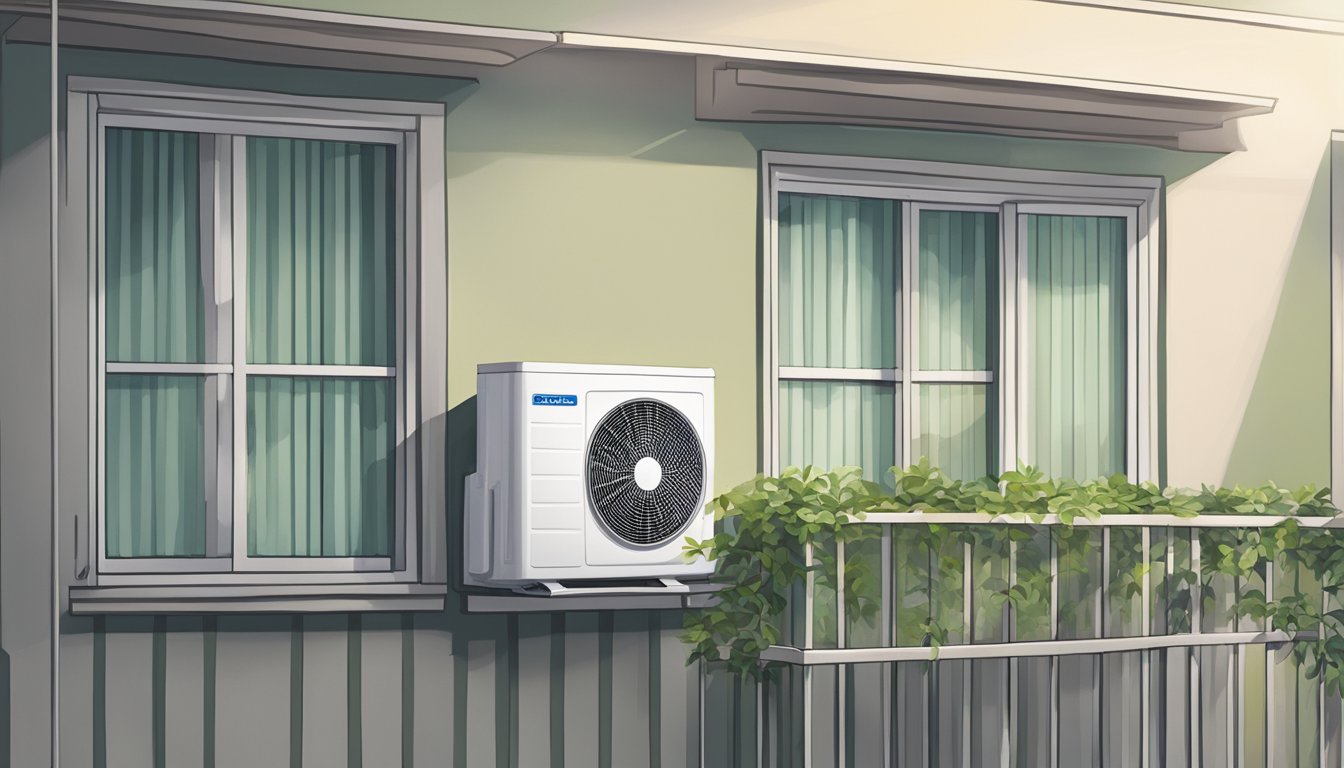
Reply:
x=433, y=661
x=128, y=706
x=679, y=698
x=630, y=723
x=324, y=690
x=380, y=690
x=252, y=692
x=486, y=654
x=581, y=689
x=535, y=683
x=77, y=702
x=184, y=693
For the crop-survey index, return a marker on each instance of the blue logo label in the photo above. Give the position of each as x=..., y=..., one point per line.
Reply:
x=555, y=399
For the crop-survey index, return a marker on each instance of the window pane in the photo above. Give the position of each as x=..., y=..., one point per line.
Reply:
x=838, y=260
x=321, y=242
x=955, y=428
x=156, y=483
x=153, y=280
x=1075, y=345
x=833, y=424
x=958, y=290
x=320, y=467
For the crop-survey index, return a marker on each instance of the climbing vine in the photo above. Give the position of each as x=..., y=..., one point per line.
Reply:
x=767, y=523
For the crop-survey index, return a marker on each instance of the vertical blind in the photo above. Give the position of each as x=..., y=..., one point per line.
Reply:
x=321, y=264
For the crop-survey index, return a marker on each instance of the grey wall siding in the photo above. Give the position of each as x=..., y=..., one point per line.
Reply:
x=25, y=434
x=381, y=690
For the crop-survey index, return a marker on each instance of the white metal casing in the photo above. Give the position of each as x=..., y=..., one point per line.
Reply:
x=528, y=517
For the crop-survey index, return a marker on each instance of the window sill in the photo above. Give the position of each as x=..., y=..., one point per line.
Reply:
x=286, y=598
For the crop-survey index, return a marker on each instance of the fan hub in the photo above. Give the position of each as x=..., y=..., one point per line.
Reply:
x=648, y=473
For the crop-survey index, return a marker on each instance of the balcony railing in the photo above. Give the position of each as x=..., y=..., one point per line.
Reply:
x=964, y=640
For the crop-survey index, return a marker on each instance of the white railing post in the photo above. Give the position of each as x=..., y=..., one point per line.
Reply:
x=1196, y=627
x=1146, y=658
x=841, y=641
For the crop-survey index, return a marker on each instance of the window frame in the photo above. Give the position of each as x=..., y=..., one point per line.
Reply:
x=926, y=185
x=225, y=119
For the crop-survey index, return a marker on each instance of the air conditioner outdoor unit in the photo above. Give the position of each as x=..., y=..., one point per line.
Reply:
x=589, y=477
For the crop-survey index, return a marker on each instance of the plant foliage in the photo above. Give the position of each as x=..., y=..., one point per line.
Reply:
x=768, y=523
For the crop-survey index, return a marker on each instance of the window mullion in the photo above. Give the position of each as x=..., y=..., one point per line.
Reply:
x=906, y=335
x=235, y=160
x=1009, y=327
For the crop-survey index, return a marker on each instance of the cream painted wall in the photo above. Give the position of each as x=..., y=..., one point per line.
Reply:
x=1235, y=232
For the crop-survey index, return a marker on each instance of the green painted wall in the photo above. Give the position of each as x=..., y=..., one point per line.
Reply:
x=589, y=217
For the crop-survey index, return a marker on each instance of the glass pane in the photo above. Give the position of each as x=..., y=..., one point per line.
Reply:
x=321, y=243
x=838, y=261
x=320, y=467
x=154, y=285
x=955, y=428
x=158, y=435
x=833, y=424
x=1075, y=342
x=958, y=290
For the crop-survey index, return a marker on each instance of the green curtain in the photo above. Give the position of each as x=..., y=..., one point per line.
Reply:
x=321, y=243
x=154, y=502
x=955, y=431
x=152, y=279
x=321, y=291
x=838, y=262
x=320, y=467
x=958, y=312
x=958, y=288
x=1075, y=339
x=155, y=481
x=837, y=423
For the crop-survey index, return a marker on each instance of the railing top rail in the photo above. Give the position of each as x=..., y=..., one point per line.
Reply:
x=826, y=656
x=924, y=517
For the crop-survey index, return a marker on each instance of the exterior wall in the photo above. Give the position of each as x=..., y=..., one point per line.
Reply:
x=590, y=217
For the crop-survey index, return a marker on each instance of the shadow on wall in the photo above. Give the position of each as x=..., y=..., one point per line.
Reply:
x=1285, y=431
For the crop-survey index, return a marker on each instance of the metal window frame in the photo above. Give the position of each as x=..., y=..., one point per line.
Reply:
x=225, y=119
x=920, y=185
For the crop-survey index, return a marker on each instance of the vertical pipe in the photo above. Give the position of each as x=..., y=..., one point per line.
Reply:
x=55, y=681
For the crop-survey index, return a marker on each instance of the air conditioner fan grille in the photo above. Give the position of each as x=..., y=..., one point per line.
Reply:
x=633, y=511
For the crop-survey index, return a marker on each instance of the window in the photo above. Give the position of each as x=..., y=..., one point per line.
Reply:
x=975, y=316
x=258, y=342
